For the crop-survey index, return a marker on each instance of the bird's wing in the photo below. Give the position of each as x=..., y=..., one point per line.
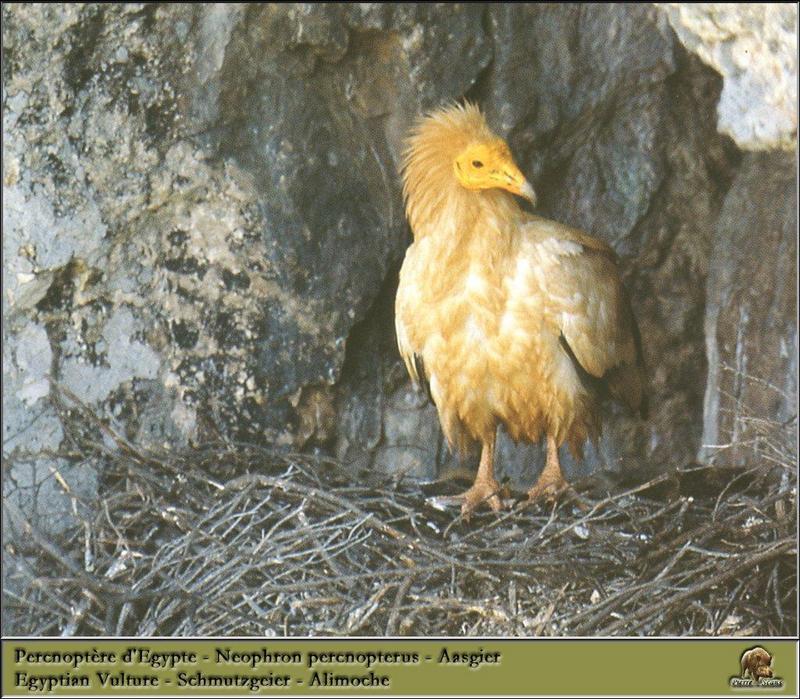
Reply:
x=587, y=304
x=407, y=309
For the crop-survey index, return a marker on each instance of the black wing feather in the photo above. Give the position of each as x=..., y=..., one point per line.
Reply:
x=419, y=366
x=598, y=386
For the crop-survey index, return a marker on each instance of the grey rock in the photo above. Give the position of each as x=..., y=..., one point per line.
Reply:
x=124, y=360
x=754, y=47
x=34, y=480
x=29, y=422
x=751, y=394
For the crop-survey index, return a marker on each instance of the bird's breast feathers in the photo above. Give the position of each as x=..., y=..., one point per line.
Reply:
x=488, y=328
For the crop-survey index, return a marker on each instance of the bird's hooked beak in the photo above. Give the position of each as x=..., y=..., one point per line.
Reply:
x=527, y=191
x=512, y=180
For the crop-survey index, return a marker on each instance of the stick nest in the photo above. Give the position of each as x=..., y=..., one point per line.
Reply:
x=236, y=539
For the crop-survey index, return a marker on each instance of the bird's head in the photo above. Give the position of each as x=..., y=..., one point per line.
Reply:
x=486, y=164
x=453, y=149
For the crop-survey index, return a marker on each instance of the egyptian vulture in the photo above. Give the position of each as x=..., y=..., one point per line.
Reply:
x=505, y=317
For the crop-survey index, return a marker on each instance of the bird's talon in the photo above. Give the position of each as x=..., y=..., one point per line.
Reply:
x=480, y=492
x=554, y=491
x=549, y=492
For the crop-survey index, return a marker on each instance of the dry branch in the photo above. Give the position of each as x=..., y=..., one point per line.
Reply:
x=225, y=538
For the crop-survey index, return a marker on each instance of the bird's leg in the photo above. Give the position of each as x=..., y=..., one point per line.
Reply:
x=551, y=481
x=485, y=488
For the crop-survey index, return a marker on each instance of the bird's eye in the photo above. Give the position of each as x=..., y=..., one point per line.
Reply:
x=477, y=163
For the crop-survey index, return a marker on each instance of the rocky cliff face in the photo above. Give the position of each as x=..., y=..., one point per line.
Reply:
x=751, y=392
x=754, y=47
x=203, y=221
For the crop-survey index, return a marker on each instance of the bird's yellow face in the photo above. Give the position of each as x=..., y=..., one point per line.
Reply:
x=489, y=165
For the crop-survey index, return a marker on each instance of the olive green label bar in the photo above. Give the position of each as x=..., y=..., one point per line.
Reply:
x=392, y=667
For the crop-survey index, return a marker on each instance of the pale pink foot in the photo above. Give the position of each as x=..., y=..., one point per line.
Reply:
x=552, y=485
x=487, y=491
x=548, y=489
